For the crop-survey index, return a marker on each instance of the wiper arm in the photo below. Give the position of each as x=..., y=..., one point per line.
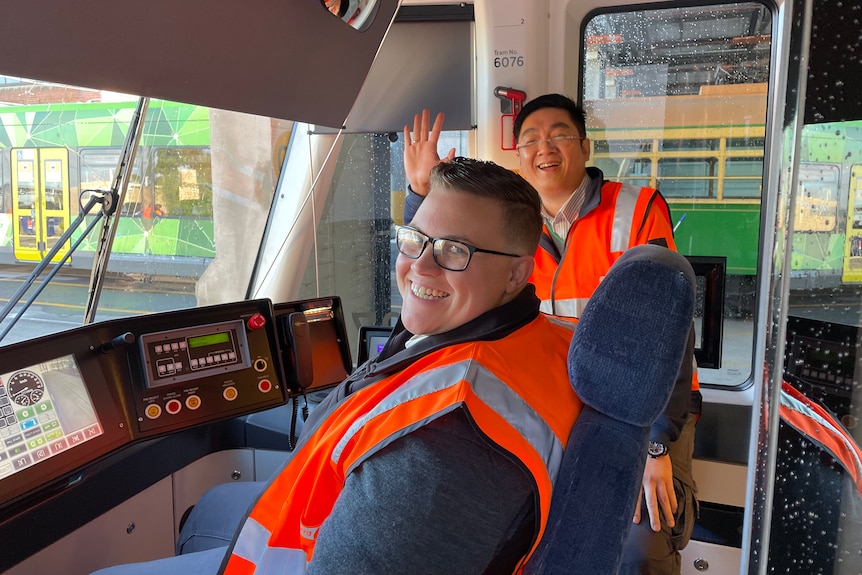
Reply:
x=108, y=199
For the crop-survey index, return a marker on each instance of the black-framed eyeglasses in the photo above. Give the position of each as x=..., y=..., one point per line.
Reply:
x=554, y=141
x=452, y=255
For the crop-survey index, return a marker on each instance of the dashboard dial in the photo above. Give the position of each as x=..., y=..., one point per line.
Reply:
x=25, y=387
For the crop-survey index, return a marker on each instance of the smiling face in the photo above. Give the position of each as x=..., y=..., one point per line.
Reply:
x=554, y=170
x=438, y=300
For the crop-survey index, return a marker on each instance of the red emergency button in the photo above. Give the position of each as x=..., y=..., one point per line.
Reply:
x=256, y=321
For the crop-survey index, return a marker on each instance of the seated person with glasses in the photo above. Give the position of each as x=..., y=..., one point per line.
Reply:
x=439, y=455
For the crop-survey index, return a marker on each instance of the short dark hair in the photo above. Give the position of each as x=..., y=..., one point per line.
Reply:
x=522, y=206
x=551, y=101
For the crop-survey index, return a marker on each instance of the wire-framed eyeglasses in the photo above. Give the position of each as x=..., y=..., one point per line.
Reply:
x=553, y=141
x=452, y=255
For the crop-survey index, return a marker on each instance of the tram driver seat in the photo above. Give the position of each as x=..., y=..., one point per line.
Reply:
x=628, y=328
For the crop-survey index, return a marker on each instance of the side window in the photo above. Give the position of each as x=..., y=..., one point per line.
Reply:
x=354, y=243
x=669, y=105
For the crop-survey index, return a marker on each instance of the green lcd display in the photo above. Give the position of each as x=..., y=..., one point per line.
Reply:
x=209, y=339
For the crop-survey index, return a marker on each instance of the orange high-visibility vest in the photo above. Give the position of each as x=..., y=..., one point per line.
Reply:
x=818, y=425
x=626, y=216
x=526, y=411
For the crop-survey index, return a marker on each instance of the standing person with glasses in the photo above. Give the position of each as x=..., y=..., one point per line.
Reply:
x=589, y=222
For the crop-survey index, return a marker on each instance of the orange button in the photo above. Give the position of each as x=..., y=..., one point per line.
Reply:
x=153, y=411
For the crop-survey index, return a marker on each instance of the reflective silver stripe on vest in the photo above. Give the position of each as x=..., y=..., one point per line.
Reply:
x=493, y=392
x=282, y=561
x=573, y=307
x=794, y=404
x=624, y=213
x=253, y=546
x=567, y=322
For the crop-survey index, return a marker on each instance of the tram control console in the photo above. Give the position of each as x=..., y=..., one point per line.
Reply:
x=70, y=399
x=816, y=490
x=823, y=359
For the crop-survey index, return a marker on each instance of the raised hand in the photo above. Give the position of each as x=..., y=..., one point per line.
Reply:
x=420, y=150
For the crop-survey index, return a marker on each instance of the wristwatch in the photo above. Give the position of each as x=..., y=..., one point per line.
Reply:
x=656, y=449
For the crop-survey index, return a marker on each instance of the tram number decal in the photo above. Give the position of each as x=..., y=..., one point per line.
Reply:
x=509, y=62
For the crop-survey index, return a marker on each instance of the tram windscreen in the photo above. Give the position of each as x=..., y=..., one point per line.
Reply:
x=46, y=410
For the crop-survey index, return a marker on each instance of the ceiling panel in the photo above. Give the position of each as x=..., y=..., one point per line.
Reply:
x=282, y=58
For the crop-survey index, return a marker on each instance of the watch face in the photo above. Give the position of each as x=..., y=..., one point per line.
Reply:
x=656, y=449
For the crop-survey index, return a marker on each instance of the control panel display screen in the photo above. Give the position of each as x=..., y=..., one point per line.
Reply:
x=44, y=410
x=211, y=339
x=188, y=354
